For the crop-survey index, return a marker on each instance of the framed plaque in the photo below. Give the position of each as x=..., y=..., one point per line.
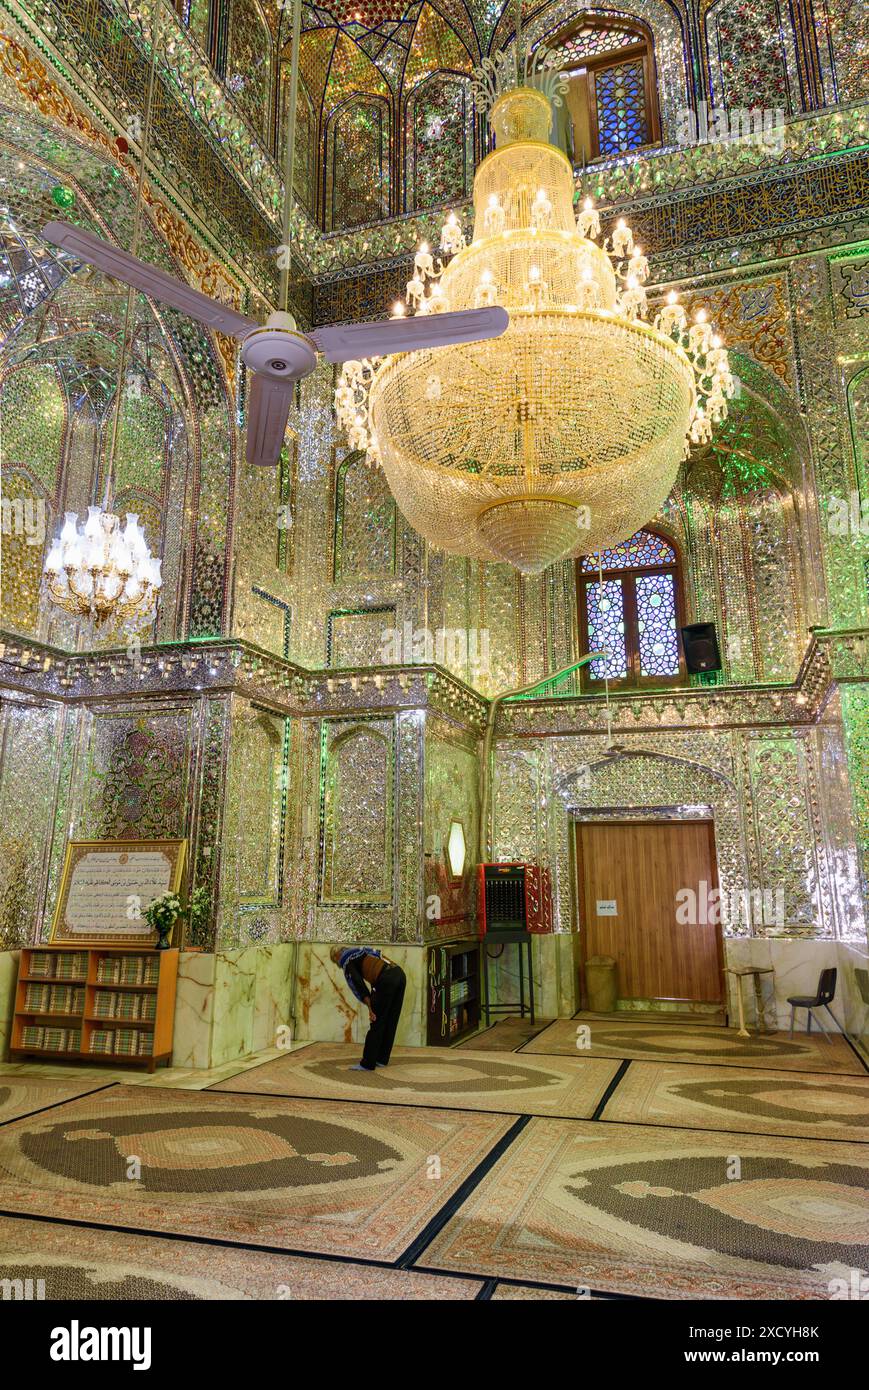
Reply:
x=107, y=885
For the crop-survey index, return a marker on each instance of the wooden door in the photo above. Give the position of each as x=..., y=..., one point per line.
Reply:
x=632, y=877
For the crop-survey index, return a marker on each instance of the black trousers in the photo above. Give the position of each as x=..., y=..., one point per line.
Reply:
x=386, y=1000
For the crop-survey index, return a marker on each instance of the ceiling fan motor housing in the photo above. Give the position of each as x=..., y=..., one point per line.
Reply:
x=279, y=351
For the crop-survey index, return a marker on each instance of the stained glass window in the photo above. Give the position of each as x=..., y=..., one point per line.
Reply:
x=633, y=614
x=591, y=40
x=620, y=98
x=656, y=624
x=644, y=548
x=611, y=99
x=606, y=629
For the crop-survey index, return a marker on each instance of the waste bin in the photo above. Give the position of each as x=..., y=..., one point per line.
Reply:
x=601, y=984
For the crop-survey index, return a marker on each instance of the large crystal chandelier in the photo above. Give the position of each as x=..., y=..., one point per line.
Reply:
x=565, y=435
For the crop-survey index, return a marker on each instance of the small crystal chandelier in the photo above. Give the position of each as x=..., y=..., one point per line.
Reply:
x=565, y=435
x=103, y=573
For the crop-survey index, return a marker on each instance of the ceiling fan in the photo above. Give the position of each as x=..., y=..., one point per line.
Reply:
x=276, y=353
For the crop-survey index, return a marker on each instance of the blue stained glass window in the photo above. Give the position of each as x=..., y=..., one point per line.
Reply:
x=620, y=95
x=632, y=612
x=656, y=624
x=606, y=629
x=645, y=548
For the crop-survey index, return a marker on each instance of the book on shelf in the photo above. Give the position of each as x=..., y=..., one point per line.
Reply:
x=41, y=963
x=105, y=1003
x=108, y=970
x=102, y=1040
x=61, y=1039
x=53, y=999
x=71, y=965
x=36, y=998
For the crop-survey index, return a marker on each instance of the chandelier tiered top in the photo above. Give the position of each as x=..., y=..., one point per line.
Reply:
x=563, y=436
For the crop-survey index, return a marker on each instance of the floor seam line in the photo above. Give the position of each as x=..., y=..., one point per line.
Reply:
x=424, y=1239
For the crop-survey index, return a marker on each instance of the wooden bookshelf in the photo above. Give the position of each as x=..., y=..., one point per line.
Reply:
x=95, y=1004
x=453, y=991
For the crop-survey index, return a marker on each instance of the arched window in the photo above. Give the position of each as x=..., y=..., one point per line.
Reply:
x=357, y=163
x=635, y=614
x=611, y=101
x=439, y=155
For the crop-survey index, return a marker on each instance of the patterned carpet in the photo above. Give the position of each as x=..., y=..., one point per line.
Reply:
x=437, y=1076
x=527, y=1291
x=22, y=1095
x=764, y=1102
x=723, y=1046
x=661, y=1212
x=505, y=1035
x=295, y=1174
x=83, y=1264
x=703, y=1166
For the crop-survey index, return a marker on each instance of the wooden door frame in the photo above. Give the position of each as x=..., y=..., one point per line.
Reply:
x=644, y=816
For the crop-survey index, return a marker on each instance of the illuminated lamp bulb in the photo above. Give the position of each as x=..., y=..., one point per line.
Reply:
x=54, y=562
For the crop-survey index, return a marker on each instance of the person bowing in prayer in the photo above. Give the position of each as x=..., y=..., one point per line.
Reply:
x=379, y=984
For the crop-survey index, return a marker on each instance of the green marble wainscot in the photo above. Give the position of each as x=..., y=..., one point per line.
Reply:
x=8, y=980
x=231, y=1004
x=326, y=1011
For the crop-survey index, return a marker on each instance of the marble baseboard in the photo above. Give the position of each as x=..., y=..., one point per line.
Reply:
x=232, y=1003
x=326, y=1011
x=667, y=1006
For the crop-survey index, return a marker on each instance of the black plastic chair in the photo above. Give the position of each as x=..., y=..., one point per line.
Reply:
x=822, y=1000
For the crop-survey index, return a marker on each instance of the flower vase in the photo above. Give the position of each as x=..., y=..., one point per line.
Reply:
x=164, y=932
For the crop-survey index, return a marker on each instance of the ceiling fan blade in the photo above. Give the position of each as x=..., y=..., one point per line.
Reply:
x=344, y=341
x=268, y=409
x=147, y=278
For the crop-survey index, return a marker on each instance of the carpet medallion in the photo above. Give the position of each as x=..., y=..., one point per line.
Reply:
x=78, y=1263
x=765, y=1102
x=437, y=1076
x=665, y=1213
x=297, y=1174
x=723, y=1046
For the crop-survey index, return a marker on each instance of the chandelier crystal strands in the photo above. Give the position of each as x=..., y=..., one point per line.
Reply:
x=565, y=435
x=99, y=572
